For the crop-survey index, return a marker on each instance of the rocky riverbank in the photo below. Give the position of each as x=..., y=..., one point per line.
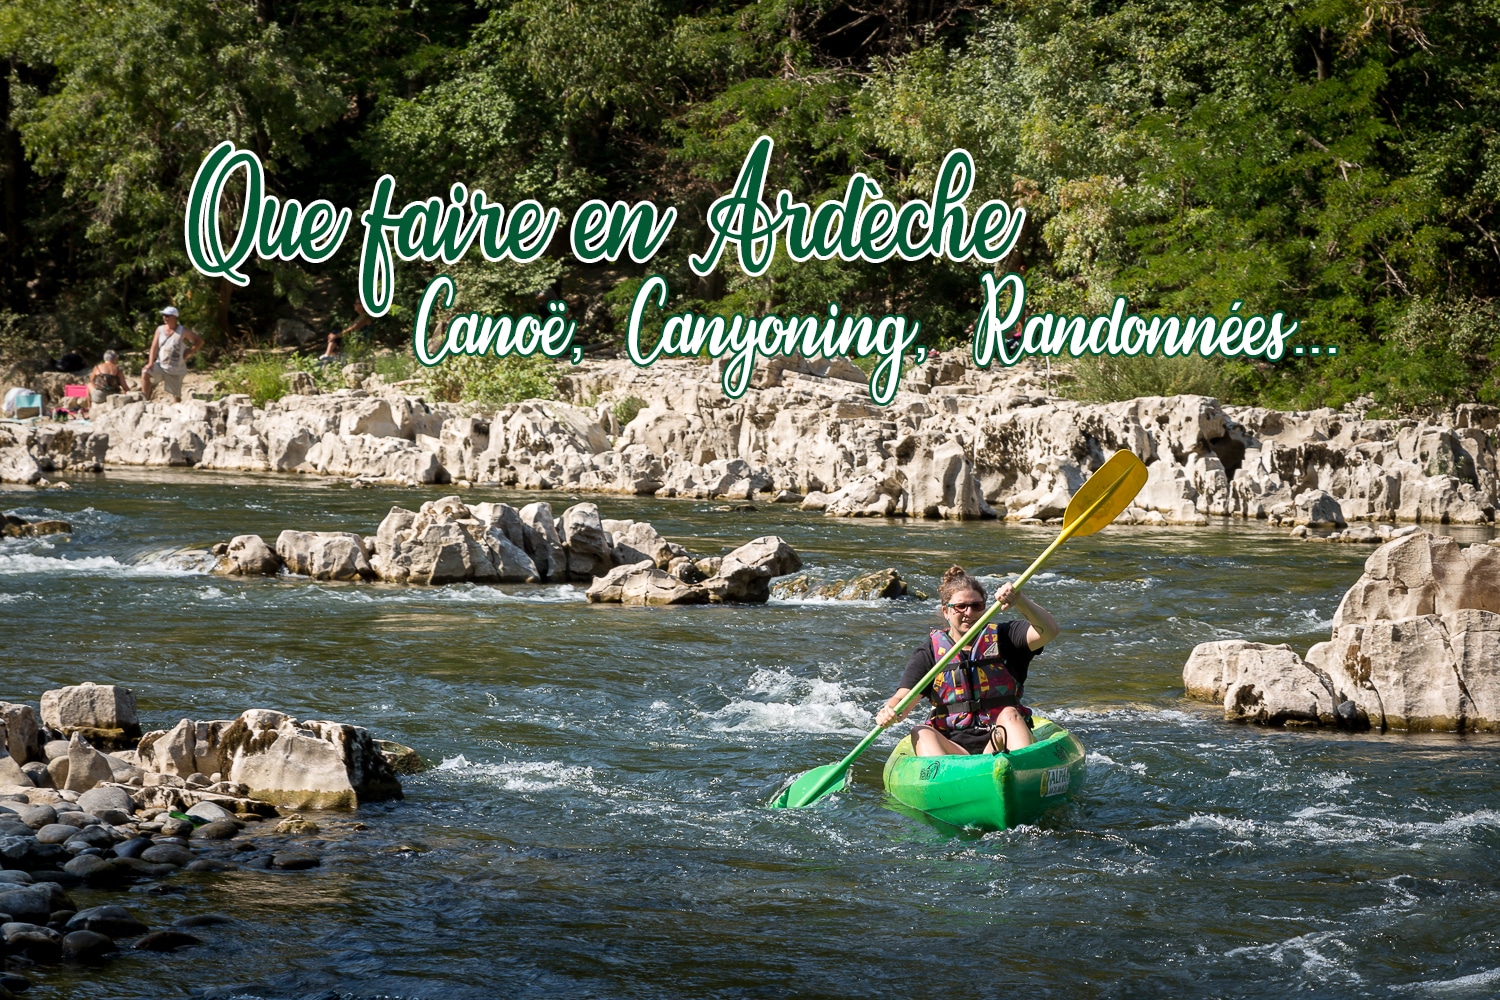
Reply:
x=78, y=809
x=1415, y=646
x=956, y=443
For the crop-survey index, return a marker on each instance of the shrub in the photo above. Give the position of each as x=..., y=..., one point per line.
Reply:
x=625, y=410
x=260, y=376
x=490, y=381
x=1107, y=379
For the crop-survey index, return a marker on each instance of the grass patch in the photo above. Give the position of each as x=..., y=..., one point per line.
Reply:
x=1107, y=379
x=489, y=381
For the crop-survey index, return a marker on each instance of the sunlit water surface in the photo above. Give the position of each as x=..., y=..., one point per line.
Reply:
x=592, y=823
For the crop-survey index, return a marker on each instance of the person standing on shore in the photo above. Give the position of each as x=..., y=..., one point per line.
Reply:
x=172, y=348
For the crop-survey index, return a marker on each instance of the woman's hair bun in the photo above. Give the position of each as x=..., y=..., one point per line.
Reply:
x=958, y=579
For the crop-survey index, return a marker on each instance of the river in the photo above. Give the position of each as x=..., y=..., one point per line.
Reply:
x=591, y=824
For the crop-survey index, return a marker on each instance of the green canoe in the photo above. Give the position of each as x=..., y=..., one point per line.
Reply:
x=989, y=791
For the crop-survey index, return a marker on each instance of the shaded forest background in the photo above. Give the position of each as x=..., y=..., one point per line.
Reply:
x=1335, y=159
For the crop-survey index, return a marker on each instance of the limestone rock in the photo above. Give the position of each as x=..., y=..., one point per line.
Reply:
x=249, y=555
x=643, y=584
x=884, y=584
x=1318, y=509
x=1422, y=574
x=170, y=751
x=745, y=574
x=322, y=765
x=637, y=540
x=1271, y=685
x=867, y=496
x=105, y=713
x=542, y=542
x=590, y=551
x=87, y=767
x=22, y=732
x=324, y=555
x=1429, y=672
x=445, y=542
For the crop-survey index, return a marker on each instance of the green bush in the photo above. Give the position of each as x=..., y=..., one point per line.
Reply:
x=394, y=366
x=1107, y=379
x=625, y=410
x=260, y=376
x=489, y=381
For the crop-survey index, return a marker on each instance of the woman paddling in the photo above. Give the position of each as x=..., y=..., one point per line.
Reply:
x=977, y=698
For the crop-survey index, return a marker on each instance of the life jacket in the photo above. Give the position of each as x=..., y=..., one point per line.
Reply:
x=975, y=686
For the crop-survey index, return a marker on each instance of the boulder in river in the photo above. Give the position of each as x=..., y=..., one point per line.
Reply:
x=744, y=575
x=104, y=713
x=882, y=584
x=642, y=584
x=1415, y=646
x=322, y=765
x=1423, y=574
x=324, y=555
x=249, y=555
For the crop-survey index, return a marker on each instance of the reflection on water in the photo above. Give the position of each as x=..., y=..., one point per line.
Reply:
x=593, y=824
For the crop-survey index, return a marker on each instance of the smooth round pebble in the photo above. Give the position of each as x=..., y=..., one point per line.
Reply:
x=211, y=812
x=89, y=867
x=40, y=944
x=203, y=920
x=38, y=816
x=167, y=854
x=171, y=827
x=56, y=833
x=166, y=941
x=146, y=869
x=295, y=860
x=210, y=865
x=132, y=848
x=217, y=830
x=86, y=946
x=113, y=920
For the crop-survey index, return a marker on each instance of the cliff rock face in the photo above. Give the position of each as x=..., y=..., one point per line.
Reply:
x=956, y=443
x=1415, y=646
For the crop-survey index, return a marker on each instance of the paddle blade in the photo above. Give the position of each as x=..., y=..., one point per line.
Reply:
x=816, y=784
x=1115, y=484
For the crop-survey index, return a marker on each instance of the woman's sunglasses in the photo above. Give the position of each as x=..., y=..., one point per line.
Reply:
x=971, y=607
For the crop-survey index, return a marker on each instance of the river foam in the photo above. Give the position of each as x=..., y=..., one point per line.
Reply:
x=794, y=704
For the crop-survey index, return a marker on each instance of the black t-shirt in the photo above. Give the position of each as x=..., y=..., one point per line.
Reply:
x=1014, y=653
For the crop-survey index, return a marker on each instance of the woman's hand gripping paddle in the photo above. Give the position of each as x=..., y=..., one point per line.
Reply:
x=1097, y=503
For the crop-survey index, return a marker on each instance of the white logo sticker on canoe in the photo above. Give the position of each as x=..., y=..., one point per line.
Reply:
x=1054, y=781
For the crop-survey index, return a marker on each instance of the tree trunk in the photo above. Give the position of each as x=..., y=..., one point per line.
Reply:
x=226, y=289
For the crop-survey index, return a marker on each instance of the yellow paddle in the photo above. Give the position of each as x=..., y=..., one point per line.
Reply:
x=1097, y=503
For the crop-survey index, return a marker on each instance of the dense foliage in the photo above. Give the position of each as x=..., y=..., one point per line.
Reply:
x=1336, y=159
